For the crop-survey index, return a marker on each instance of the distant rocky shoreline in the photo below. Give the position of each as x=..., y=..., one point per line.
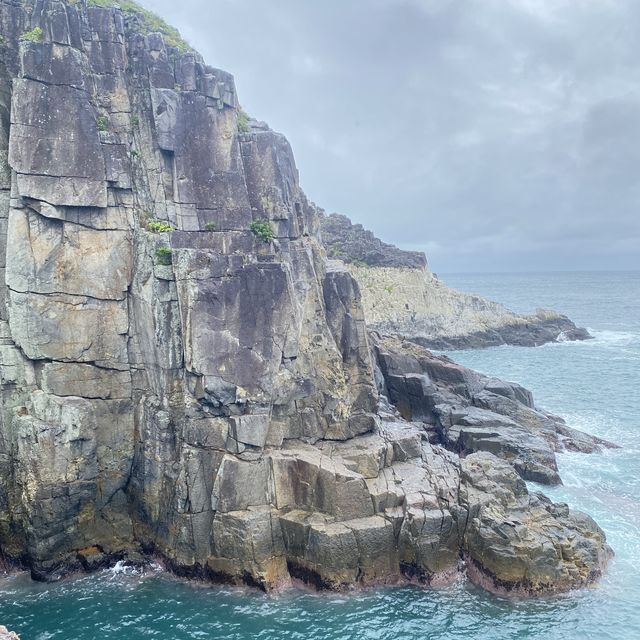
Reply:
x=401, y=296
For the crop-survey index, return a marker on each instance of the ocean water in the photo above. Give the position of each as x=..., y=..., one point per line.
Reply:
x=595, y=385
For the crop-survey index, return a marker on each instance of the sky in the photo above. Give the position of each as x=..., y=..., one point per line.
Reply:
x=495, y=135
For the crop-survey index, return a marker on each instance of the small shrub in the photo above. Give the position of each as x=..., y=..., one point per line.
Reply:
x=164, y=256
x=210, y=226
x=2, y=41
x=35, y=35
x=158, y=226
x=243, y=122
x=360, y=264
x=103, y=123
x=135, y=121
x=263, y=229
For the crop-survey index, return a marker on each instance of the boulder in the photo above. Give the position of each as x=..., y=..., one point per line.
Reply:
x=517, y=542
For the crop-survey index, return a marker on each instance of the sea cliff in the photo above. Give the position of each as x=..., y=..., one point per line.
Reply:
x=187, y=377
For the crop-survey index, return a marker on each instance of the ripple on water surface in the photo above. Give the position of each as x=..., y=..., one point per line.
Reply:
x=131, y=607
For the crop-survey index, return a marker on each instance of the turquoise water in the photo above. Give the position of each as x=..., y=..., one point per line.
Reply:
x=595, y=385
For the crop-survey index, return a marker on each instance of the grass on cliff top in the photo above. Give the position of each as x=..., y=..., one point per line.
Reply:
x=149, y=21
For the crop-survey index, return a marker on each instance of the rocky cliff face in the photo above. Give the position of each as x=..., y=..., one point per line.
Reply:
x=401, y=296
x=178, y=383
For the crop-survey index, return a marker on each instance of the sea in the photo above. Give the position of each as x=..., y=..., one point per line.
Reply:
x=594, y=385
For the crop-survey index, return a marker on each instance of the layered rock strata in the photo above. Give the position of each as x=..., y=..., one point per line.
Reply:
x=178, y=383
x=468, y=412
x=401, y=296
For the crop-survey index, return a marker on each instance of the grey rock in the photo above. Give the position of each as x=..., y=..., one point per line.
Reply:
x=471, y=412
x=84, y=381
x=252, y=430
x=44, y=119
x=521, y=542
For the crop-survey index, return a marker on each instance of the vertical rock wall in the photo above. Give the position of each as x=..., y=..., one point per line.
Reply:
x=141, y=369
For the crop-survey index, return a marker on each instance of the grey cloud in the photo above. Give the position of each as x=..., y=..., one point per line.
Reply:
x=494, y=134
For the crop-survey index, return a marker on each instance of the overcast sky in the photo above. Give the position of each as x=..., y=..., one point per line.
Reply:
x=495, y=135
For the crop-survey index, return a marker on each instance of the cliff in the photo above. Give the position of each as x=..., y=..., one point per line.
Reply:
x=401, y=296
x=185, y=376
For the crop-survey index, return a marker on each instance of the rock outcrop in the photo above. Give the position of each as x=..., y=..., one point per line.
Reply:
x=401, y=296
x=185, y=376
x=355, y=244
x=5, y=634
x=467, y=412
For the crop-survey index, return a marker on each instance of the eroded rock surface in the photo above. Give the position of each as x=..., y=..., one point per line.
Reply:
x=174, y=385
x=468, y=412
x=353, y=243
x=521, y=542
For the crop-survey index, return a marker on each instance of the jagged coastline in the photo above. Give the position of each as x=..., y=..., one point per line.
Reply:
x=184, y=373
x=401, y=296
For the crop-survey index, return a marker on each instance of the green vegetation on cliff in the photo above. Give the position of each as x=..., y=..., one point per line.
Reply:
x=35, y=35
x=158, y=226
x=149, y=22
x=164, y=256
x=102, y=122
x=263, y=229
x=243, y=122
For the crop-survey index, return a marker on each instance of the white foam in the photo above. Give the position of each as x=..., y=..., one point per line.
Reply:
x=121, y=568
x=615, y=338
